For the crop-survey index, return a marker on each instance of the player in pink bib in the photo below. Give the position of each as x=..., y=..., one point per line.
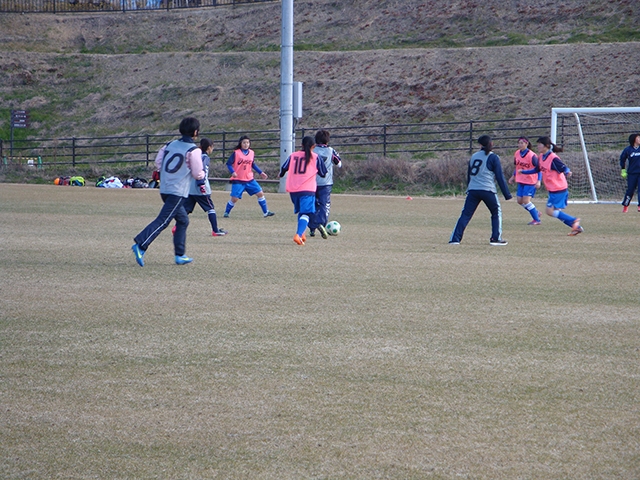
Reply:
x=554, y=176
x=241, y=166
x=523, y=159
x=302, y=168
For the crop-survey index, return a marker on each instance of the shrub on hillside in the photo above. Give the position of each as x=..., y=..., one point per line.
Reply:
x=444, y=174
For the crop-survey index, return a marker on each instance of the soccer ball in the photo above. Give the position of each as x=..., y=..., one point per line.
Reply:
x=333, y=228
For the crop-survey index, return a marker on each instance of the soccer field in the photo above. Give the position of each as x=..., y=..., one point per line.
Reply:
x=383, y=352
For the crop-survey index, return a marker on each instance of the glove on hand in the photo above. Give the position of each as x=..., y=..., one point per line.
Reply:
x=623, y=173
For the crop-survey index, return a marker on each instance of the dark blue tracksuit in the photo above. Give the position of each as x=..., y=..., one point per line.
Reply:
x=632, y=156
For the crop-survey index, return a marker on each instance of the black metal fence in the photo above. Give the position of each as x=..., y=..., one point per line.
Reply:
x=71, y=6
x=413, y=141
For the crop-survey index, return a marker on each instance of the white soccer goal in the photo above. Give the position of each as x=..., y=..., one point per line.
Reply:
x=593, y=139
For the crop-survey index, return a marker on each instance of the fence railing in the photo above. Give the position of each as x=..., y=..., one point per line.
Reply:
x=413, y=141
x=72, y=6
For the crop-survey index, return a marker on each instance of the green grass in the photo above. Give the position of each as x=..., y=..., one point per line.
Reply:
x=381, y=353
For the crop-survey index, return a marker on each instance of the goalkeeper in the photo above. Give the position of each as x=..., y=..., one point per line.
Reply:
x=630, y=165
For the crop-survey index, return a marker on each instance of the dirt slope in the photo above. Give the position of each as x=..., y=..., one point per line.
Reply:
x=222, y=65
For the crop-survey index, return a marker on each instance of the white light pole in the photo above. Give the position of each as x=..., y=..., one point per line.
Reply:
x=286, y=86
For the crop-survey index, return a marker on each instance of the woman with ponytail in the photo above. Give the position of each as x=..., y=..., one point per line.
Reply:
x=303, y=166
x=554, y=177
x=483, y=171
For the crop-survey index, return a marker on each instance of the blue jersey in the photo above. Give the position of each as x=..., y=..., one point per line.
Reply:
x=632, y=156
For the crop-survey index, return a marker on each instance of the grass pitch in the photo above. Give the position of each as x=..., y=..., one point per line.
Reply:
x=383, y=352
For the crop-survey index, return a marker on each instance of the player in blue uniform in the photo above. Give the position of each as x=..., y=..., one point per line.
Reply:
x=554, y=176
x=483, y=171
x=201, y=194
x=241, y=166
x=524, y=159
x=631, y=155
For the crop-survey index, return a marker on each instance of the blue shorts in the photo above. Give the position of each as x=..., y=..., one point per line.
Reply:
x=238, y=188
x=525, y=190
x=303, y=202
x=558, y=200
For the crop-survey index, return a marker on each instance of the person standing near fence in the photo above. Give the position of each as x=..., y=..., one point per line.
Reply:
x=303, y=167
x=523, y=159
x=203, y=198
x=483, y=171
x=178, y=161
x=323, y=192
x=630, y=165
x=241, y=166
x=554, y=176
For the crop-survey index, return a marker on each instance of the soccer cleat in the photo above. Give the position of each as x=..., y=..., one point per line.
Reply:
x=139, y=253
x=534, y=222
x=268, y=214
x=638, y=208
x=454, y=243
x=173, y=230
x=625, y=209
x=312, y=233
x=226, y=215
x=576, y=228
x=323, y=231
x=219, y=233
x=298, y=239
x=497, y=243
x=576, y=231
x=183, y=259
x=304, y=238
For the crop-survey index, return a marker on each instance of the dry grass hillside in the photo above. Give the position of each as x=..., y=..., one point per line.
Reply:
x=361, y=62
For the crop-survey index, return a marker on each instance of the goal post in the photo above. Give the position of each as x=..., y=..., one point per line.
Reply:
x=592, y=140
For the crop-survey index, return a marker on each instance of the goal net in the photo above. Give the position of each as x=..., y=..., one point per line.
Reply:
x=593, y=139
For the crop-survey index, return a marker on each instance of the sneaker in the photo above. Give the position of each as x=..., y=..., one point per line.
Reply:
x=139, y=253
x=323, y=231
x=268, y=214
x=183, y=259
x=298, y=239
x=226, y=215
x=312, y=233
x=497, y=243
x=454, y=243
x=625, y=209
x=534, y=222
x=219, y=233
x=173, y=230
x=575, y=231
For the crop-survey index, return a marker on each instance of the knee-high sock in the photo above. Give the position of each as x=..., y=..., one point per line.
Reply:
x=303, y=221
x=213, y=219
x=531, y=208
x=564, y=218
x=263, y=204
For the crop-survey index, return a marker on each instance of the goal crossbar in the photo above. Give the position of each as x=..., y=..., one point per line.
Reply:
x=601, y=136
